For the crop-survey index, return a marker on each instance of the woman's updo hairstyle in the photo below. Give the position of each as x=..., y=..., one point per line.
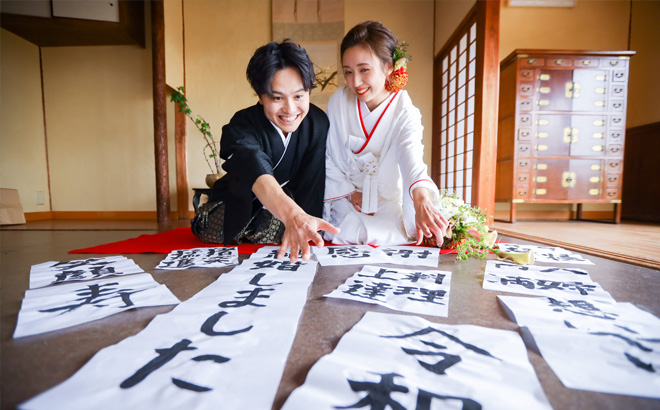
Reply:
x=374, y=35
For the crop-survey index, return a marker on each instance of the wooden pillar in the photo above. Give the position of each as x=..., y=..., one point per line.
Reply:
x=181, y=138
x=485, y=150
x=160, y=111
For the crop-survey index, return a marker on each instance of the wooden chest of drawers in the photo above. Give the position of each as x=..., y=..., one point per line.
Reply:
x=561, y=132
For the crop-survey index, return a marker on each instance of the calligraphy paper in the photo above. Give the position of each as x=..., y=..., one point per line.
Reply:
x=412, y=255
x=224, y=347
x=270, y=252
x=200, y=258
x=350, y=255
x=543, y=281
x=423, y=291
x=608, y=348
x=403, y=362
x=551, y=254
x=58, y=307
x=49, y=273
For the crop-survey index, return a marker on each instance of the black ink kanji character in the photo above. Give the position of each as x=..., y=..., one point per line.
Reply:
x=209, y=324
x=430, y=296
x=249, y=299
x=439, y=278
x=405, y=253
x=580, y=307
x=415, y=277
x=279, y=265
x=80, y=263
x=543, y=284
x=388, y=251
x=424, y=399
x=575, y=271
x=405, y=290
x=380, y=274
x=351, y=252
x=562, y=257
x=222, y=255
x=448, y=359
x=582, y=288
x=95, y=295
x=517, y=280
x=637, y=362
x=164, y=356
x=378, y=394
x=370, y=291
x=255, y=280
x=423, y=254
x=69, y=275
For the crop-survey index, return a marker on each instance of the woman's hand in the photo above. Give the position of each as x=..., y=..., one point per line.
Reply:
x=429, y=221
x=299, y=229
x=356, y=200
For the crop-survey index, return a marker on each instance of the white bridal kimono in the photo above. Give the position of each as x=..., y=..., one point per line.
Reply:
x=385, y=167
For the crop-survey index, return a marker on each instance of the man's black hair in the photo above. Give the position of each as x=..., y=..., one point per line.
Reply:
x=272, y=57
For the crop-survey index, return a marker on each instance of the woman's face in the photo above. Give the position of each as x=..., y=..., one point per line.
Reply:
x=289, y=104
x=365, y=74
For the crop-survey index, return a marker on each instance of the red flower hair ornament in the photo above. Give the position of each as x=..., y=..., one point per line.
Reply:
x=399, y=77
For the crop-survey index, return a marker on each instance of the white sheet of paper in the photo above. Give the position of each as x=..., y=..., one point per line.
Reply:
x=50, y=273
x=543, y=281
x=602, y=347
x=58, y=307
x=412, y=255
x=224, y=347
x=549, y=254
x=200, y=258
x=418, y=291
x=350, y=255
x=389, y=361
x=270, y=252
x=583, y=314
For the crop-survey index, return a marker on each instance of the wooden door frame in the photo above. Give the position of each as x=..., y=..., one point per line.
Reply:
x=486, y=13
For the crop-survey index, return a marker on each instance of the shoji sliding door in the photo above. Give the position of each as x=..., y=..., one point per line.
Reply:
x=465, y=100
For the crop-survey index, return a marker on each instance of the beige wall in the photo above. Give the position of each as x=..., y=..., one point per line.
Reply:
x=99, y=118
x=448, y=15
x=22, y=142
x=217, y=53
x=173, y=17
x=644, y=84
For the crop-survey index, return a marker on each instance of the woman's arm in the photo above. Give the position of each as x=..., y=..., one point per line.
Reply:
x=428, y=219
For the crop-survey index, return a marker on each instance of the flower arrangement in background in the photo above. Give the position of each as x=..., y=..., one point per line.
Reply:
x=211, y=144
x=399, y=77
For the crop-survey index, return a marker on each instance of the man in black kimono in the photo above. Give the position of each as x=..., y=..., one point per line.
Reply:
x=274, y=156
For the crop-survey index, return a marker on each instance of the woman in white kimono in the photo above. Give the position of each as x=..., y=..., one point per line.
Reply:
x=377, y=189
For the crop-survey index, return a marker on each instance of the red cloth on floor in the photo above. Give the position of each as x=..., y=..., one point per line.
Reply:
x=162, y=242
x=166, y=242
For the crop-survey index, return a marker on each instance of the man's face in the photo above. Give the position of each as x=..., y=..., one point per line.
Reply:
x=289, y=104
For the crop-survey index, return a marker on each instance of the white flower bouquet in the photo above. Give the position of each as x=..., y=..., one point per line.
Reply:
x=469, y=235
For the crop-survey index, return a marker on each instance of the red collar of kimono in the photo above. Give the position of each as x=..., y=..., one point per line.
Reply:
x=364, y=129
